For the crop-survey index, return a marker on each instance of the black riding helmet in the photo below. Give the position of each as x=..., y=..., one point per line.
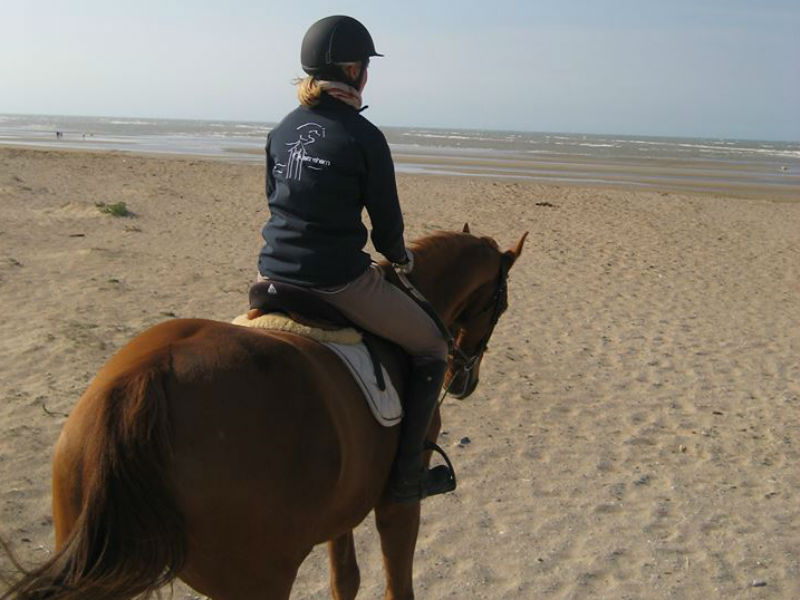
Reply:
x=336, y=39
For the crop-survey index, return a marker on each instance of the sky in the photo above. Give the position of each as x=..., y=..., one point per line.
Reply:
x=697, y=68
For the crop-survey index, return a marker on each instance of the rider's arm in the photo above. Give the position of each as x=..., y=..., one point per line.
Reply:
x=380, y=198
x=270, y=179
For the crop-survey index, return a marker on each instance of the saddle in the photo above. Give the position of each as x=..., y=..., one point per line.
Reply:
x=297, y=303
x=303, y=307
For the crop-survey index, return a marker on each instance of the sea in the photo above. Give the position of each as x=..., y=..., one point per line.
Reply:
x=748, y=167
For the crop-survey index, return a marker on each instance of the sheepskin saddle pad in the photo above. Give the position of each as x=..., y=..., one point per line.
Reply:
x=348, y=345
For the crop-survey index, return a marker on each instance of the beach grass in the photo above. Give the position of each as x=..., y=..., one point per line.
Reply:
x=117, y=209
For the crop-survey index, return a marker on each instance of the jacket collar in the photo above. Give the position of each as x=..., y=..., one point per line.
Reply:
x=328, y=101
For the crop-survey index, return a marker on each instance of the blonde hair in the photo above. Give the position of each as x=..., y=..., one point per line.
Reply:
x=309, y=89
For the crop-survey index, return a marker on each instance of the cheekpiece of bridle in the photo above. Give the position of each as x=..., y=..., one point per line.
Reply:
x=462, y=362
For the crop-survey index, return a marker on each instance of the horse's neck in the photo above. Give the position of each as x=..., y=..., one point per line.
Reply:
x=445, y=276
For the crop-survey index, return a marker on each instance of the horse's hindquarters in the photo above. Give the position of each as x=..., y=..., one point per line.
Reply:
x=274, y=449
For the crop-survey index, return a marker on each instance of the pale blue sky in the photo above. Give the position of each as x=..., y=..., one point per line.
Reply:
x=716, y=68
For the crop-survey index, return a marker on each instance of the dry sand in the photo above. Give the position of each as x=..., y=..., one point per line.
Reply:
x=636, y=433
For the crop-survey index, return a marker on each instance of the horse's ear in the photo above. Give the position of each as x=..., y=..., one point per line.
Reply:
x=513, y=253
x=466, y=228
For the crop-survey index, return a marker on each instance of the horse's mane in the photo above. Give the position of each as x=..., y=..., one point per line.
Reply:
x=453, y=263
x=449, y=242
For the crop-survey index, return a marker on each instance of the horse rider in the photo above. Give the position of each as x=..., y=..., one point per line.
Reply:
x=325, y=164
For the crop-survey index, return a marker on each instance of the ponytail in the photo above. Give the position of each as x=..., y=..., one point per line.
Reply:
x=308, y=91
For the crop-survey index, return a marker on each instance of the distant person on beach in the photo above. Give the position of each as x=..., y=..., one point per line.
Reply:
x=325, y=164
x=59, y=135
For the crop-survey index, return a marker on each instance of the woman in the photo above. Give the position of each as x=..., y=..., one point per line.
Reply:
x=325, y=164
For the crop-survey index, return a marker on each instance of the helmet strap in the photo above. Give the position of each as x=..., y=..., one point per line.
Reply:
x=362, y=72
x=342, y=76
x=337, y=73
x=334, y=72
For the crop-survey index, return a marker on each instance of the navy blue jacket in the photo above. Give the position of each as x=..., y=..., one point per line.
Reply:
x=324, y=166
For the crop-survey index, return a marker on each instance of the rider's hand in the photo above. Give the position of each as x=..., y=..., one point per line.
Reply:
x=407, y=265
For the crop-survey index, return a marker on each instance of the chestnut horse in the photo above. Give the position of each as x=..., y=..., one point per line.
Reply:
x=221, y=454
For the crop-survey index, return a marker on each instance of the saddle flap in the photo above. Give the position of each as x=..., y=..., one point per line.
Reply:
x=381, y=395
x=297, y=302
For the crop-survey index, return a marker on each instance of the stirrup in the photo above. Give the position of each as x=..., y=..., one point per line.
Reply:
x=428, y=445
x=426, y=482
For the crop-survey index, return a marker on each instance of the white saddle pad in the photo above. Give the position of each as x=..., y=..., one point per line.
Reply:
x=385, y=405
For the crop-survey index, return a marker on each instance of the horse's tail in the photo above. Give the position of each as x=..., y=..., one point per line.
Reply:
x=129, y=537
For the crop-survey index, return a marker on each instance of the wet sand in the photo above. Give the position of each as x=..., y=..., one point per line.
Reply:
x=751, y=177
x=636, y=432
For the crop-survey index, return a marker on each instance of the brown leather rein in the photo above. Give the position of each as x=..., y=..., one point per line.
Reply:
x=463, y=363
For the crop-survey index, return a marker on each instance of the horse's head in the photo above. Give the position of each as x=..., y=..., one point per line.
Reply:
x=471, y=294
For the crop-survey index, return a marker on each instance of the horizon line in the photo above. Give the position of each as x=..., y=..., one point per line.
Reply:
x=434, y=127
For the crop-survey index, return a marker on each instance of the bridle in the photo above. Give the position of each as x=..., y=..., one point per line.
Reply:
x=463, y=362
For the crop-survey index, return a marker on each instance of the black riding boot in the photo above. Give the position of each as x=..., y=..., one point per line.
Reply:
x=411, y=481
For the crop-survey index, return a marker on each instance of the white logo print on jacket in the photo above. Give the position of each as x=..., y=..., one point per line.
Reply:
x=298, y=153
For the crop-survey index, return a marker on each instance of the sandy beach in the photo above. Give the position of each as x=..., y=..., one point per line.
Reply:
x=636, y=432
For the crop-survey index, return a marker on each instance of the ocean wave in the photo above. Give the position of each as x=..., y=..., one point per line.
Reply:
x=768, y=150
x=178, y=134
x=441, y=136
x=129, y=122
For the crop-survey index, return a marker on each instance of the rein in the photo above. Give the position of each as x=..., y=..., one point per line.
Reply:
x=463, y=362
